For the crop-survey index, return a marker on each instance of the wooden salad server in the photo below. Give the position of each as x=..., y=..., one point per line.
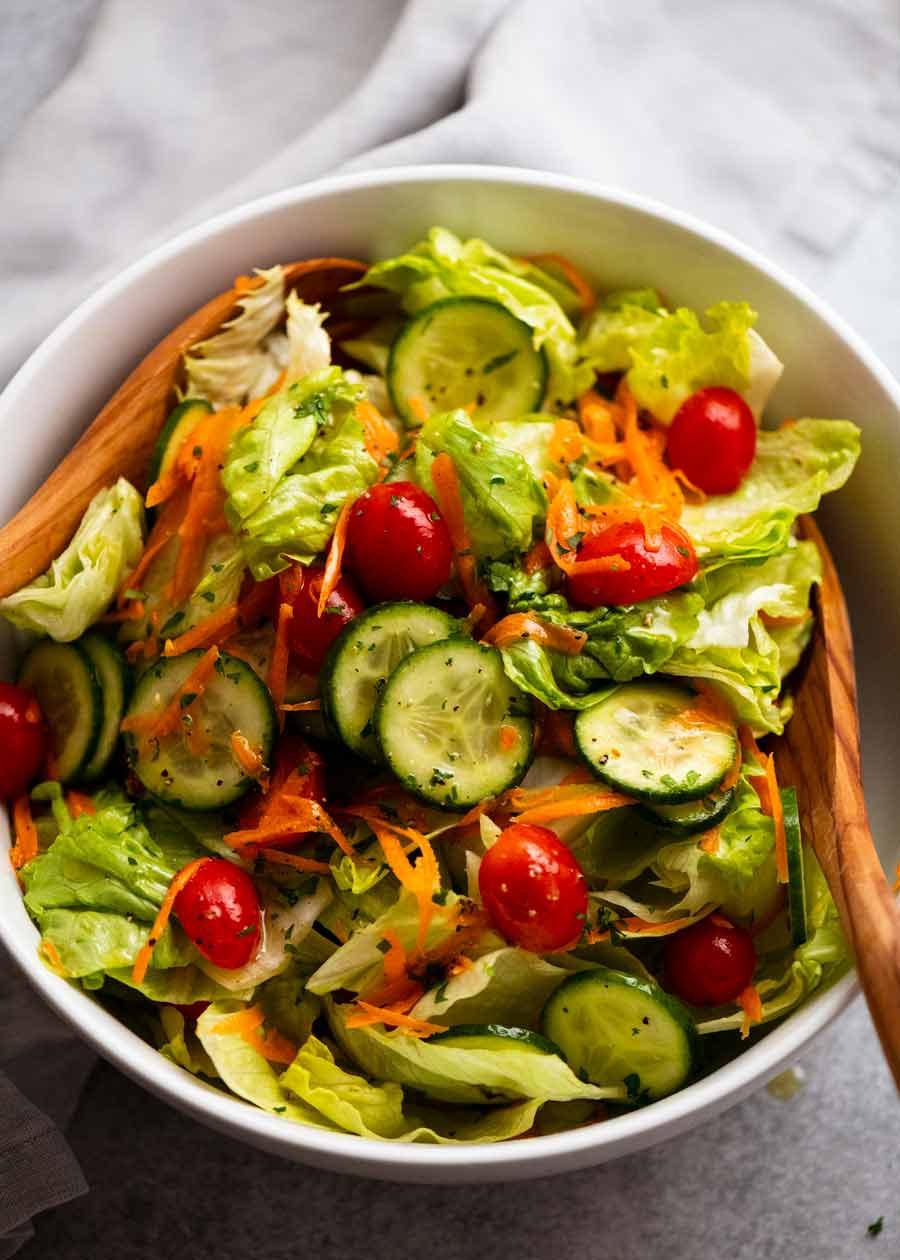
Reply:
x=819, y=754
x=120, y=441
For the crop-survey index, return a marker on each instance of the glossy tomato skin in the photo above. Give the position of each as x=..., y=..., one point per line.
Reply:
x=533, y=890
x=293, y=754
x=22, y=740
x=650, y=572
x=713, y=439
x=398, y=546
x=710, y=963
x=309, y=635
x=219, y=910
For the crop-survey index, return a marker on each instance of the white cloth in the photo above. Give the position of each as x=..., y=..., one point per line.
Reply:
x=777, y=121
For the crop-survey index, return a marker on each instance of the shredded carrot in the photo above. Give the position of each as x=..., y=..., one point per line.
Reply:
x=566, y=442
x=379, y=437
x=247, y=1025
x=654, y=478
x=290, y=815
x=25, y=848
x=280, y=655
x=709, y=842
x=564, y=526
x=51, y=953
x=449, y=497
x=598, y=418
x=631, y=925
x=169, y=719
x=537, y=558
x=145, y=954
x=308, y=865
x=143, y=649
x=418, y=408
x=133, y=611
x=303, y=706
x=587, y=299
x=215, y=628
x=897, y=879
x=421, y=879
x=749, y=744
x=368, y=1014
x=518, y=626
x=509, y=738
x=751, y=1004
x=572, y=806
x=332, y=574
x=164, y=530
x=777, y=813
x=78, y=803
x=248, y=758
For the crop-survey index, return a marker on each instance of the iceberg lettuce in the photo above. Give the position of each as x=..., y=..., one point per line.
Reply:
x=81, y=582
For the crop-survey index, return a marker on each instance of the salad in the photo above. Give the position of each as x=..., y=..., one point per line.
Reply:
x=395, y=756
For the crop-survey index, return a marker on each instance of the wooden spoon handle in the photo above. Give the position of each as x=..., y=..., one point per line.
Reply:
x=120, y=440
x=823, y=759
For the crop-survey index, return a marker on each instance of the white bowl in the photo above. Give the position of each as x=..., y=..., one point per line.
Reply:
x=621, y=240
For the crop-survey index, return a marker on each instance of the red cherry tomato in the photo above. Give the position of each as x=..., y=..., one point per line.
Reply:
x=309, y=635
x=713, y=439
x=219, y=910
x=650, y=572
x=533, y=889
x=711, y=962
x=293, y=754
x=22, y=739
x=398, y=546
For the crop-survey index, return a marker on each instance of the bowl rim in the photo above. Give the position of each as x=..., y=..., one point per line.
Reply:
x=533, y=1156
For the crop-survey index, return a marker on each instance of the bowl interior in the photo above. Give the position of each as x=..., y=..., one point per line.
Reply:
x=619, y=242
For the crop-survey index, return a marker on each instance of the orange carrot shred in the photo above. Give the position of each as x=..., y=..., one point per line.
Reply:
x=290, y=815
x=332, y=574
x=212, y=629
x=25, y=848
x=247, y=1025
x=751, y=1004
x=280, y=654
x=303, y=706
x=78, y=803
x=509, y=738
x=49, y=951
x=369, y=1014
x=379, y=437
x=145, y=954
x=709, y=841
x=248, y=758
x=418, y=408
x=168, y=720
x=518, y=626
x=587, y=299
x=537, y=558
x=449, y=497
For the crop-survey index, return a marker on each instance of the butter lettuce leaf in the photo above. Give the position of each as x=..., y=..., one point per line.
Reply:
x=794, y=467
x=506, y=986
x=502, y=499
x=80, y=583
x=91, y=943
x=238, y=363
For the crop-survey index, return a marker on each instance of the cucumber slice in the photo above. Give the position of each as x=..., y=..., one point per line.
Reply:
x=234, y=699
x=439, y=724
x=632, y=740
x=615, y=1028
x=63, y=679
x=494, y=1037
x=362, y=659
x=178, y=425
x=796, y=874
x=112, y=675
x=465, y=350
x=691, y=816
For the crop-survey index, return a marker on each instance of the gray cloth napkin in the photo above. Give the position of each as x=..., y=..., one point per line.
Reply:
x=130, y=119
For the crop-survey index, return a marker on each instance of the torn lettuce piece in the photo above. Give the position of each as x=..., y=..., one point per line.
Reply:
x=503, y=500
x=530, y=437
x=88, y=943
x=308, y=344
x=794, y=466
x=236, y=364
x=506, y=986
x=179, y=1044
x=457, y=1075
x=287, y=1004
x=734, y=645
x=622, y=643
x=442, y=266
x=80, y=583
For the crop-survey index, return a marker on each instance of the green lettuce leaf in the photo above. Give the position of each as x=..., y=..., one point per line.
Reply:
x=308, y=347
x=529, y=437
x=263, y=452
x=179, y=1045
x=617, y=846
x=506, y=986
x=246, y=1073
x=89, y=942
x=793, y=468
x=622, y=643
x=180, y=985
x=80, y=583
x=456, y=1075
x=503, y=500
x=238, y=362
x=739, y=876
x=287, y=1004
x=623, y=319
x=442, y=265
x=733, y=647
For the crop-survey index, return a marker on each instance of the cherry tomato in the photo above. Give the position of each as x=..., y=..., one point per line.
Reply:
x=293, y=754
x=713, y=439
x=192, y=1011
x=22, y=738
x=650, y=572
x=309, y=635
x=533, y=889
x=398, y=546
x=711, y=962
x=219, y=910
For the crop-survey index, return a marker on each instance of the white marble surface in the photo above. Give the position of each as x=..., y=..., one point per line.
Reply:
x=119, y=118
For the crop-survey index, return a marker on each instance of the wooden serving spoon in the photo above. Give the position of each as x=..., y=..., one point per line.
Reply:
x=120, y=441
x=819, y=755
